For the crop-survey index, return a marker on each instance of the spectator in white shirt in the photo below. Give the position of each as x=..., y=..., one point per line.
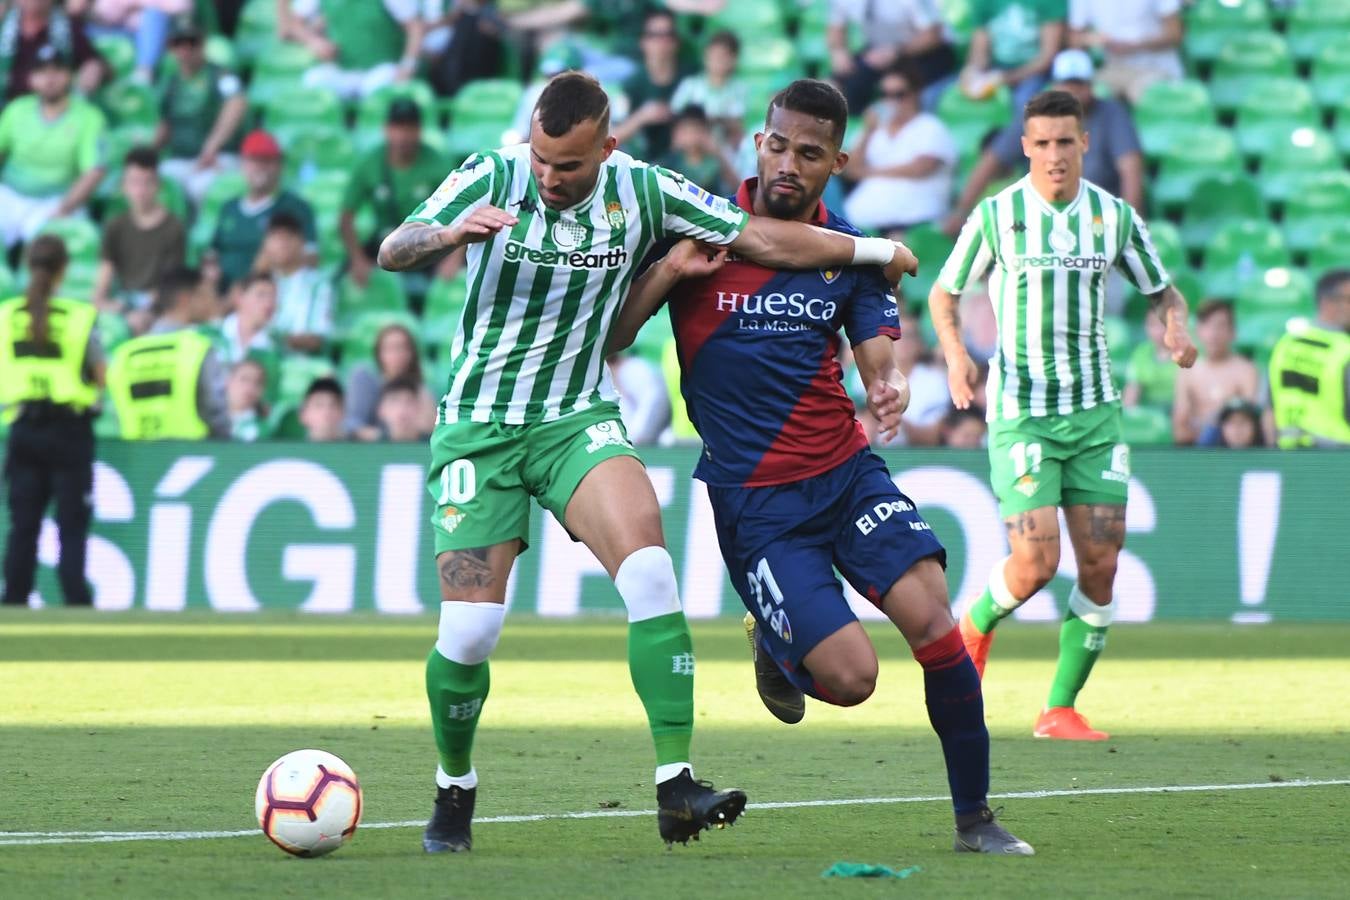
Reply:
x=904, y=161
x=304, y=318
x=893, y=31
x=249, y=328
x=1138, y=38
x=716, y=89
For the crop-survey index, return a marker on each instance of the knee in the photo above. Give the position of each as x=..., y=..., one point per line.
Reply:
x=469, y=631
x=1097, y=577
x=850, y=685
x=1028, y=573
x=646, y=582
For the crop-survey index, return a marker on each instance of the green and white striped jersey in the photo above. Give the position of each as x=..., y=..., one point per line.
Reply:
x=1048, y=287
x=544, y=293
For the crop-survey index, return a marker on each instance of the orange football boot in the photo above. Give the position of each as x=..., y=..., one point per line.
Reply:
x=1064, y=723
x=977, y=645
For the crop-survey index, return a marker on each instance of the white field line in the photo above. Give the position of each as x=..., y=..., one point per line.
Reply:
x=31, y=838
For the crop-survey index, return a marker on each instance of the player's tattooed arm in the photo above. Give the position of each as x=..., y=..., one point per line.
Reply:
x=944, y=310
x=413, y=245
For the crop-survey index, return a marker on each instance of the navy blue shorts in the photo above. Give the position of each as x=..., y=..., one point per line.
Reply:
x=783, y=543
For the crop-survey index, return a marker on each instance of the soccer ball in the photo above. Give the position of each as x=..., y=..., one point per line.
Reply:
x=308, y=803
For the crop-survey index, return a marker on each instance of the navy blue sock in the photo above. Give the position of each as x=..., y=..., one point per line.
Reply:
x=956, y=710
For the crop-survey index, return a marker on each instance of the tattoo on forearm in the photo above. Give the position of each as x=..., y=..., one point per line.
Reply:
x=465, y=569
x=947, y=318
x=1022, y=527
x=1163, y=301
x=1106, y=524
x=410, y=248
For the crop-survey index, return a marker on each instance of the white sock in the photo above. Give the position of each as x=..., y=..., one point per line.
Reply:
x=672, y=770
x=469, y=631
x=1091, y=613
x=461, y=781
x=998, y=587
x=646, y=582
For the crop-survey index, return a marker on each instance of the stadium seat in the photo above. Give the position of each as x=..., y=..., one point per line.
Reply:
x=1313, y=24
x=465, y=139
x=1216, y=200
x=324, y=190
x=257, y=29
x=1169, y=109
x=485, y=100
x=1285, y=166
x=382, y=293
x=1329, y=250
x=440, y=316
x=1245, y=62
x=1144, y=425
x=932, y=247
x=1208, y=150
x=297, y=373
x=1257, y=332
x=1322, y=202
x=775, y=55
x=970, y=120
x=128, y=103
x=358, y=344
x=1167, y=241
x=295, y=104
x=371, y=112
x=1240, y=251
x=1341, y=131
x=1330, y=73
x=1119, y=342
x=81, y=236
x=220, y=51
x=1210, y=24
x=1270, y=111
x=753, y=19
x=313, y=147
x=1282, y=290
x=118, y=52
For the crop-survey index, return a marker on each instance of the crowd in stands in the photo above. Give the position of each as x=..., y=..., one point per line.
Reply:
x=232, y=166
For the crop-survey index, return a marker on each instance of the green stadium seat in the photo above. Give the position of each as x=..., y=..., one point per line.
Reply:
x=1257, y=332
x=465, y=139
x=1119, y=341
x=324, y=190
x=932, y=247
x=440, y=316
x=1314, y=24
x=776, y=55
x=1270, y=111
x=1210, y=24
x=372, y=110
x=220, y=51
x=257, y=29
x=358, y=343
x=1330, y=73
x=1287, y=164
x=1169, y=109
x=1245, y=62
x=1283, y=290
x=81, y=237
x=1167, y=241
x=128, y=103
x=118, y=52
x=491, y=100
x=970, y=120
x=312, y=147
x=1322, y=201
x=1216, y=200
x=298, y=373
x=1208, y=150
x=382, y=293
x=1329, y=251
x=1145, y=425
x=754, y=19
x=1239, y=251
x=295, y=105
x=1341, y=131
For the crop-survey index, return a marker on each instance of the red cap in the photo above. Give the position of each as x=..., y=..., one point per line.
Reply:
x=261, y=145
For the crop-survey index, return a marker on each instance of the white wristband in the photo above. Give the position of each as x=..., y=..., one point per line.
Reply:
x=872, y=251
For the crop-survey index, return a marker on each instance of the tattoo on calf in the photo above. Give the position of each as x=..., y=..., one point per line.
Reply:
x=465, y=569
x=1106, y=524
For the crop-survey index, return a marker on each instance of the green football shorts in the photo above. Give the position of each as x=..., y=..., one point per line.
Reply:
x=483, y=474
x=1066, y=460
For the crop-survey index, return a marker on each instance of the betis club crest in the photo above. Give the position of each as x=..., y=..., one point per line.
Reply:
x=614, y=213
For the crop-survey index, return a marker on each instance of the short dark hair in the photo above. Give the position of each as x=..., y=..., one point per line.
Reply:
x=326, y=384
x=286, y=221
x=1214, y=307
x=813, y=97
x=569, y=99
x=142, y=158
x=1331, y=282
x=728, y=39
x=1053, y=105
x=172, y=285
x=253, y=278
x=909, y=72
x=657, y=12
x=403, y=384
x=691, y=113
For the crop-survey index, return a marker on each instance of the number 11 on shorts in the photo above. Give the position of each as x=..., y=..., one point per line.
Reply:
x=1026, y=457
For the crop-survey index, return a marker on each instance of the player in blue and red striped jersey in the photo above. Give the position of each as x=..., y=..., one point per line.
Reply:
x=795, y=491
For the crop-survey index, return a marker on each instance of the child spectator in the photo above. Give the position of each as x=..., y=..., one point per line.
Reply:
x=244, y=399
x=304, y=297
x=400, y=412
x=1240, y=425
x=1218, y=376
x=963, y=428
x=396, y=356
x=322, y=412
x=696, y=154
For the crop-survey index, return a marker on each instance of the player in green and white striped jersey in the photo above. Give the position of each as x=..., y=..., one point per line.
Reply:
x=1048, y=243
x=555, y=230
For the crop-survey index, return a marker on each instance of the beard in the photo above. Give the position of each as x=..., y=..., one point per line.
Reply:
x=787, y=207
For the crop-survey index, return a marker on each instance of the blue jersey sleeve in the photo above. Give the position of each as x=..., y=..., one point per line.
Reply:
x=872, y=310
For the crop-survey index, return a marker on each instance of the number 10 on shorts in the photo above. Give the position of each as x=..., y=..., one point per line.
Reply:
x=459, y=482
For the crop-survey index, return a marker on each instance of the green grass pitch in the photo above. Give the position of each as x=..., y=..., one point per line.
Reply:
x=118, y=723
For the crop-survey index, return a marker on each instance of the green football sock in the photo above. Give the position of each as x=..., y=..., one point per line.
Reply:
x=661, y=662
x=1081, y=640
x=456, y=693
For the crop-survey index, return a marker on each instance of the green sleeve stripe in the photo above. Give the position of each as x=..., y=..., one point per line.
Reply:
x=956, y=275
x=433, y=213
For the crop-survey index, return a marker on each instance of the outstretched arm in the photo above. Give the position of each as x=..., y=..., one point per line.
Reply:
x=779, y=244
